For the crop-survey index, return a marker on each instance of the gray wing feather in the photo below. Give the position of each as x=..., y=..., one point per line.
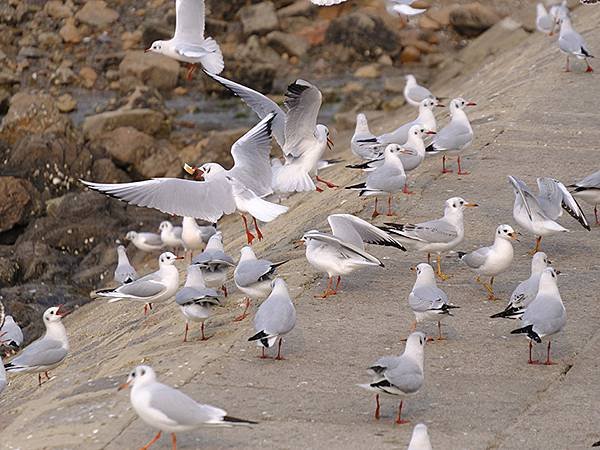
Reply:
x=432, y=231
x=43, y=352
x=249, y=272
x=407, y=376
x=419, y=93
x=303, y=101
x=356, y=231
x=189, y=294
x=142, y=288
x=591, y=181
x=343, y=246
x=189, y=23
x=425, y=298
x=477, y=258
x=546, y=314
x=550, y=197
x=275, y=316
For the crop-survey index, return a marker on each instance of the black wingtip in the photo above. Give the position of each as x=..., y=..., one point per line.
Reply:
x=260, y=335
x=530, y=333
x=368, y=140
x=231, y=419
x=430, y=148
x=508, y=313
x=357, y=186
x=461, y=254
x=596, y=444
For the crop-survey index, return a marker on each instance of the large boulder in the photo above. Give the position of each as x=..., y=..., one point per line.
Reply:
x=97, y=14
x=150, y=69
x=18, y=201
x=142, y=119
x=259, y=18
x=473, y=19
x=361, y=32
x=127, y=145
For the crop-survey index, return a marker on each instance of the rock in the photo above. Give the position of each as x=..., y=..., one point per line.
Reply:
x=428, y=23
x=440, y=15
x=259, y=18
x=9, y=270
x=158, y=71
x=49, y=41
x=65, y=103
x=385, y=60
x=410, y=54
x=105, y=171
x=97, y=14
x=472, y=19
x=88, y=77
x=18, y=201
x=394, y=84
x=127, y=145
x=31, y=113
x=131, y=39
x=368, y=71
x=361, y=32
x=291, y=44
x=30, y=52
x=145, y=120
x=298, y=8
x=69, y=32
x=57, y=9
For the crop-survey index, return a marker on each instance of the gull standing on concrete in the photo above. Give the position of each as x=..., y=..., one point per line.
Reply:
x=588, y=190
x=494, y=260
x=222, y=191
x=343, y=251
x=196, y=236
x=214, y=263
x=537, y=213
x=546, y=314
x=527, y=290
x=388, y=178
x=434, y=236
x=399, y=375
x=275, y=317
x=427, y=301
x=146, y=242
x=196, y=300
x=189, y=44
x=124, y=272
x=364, y=144
x=45, y=353
x=414, y=93
x=170, y=410
x=155, y=287
x=420, y=438
x=455, y=136
x=171, y=235
x=545, y=22
x=252, y=276
x=11, y=333
x=571, y=43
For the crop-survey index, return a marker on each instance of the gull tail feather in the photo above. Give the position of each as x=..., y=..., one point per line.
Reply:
x=290, y=179
x=528, y=330
x=213, y=61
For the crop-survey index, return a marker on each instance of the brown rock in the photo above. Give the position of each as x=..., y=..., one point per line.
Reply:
x=152, y=69
x=97, y=14
x=368, y=71
x=88, y=77
x=259, y=18
x=440, y=15
x=472, y=19
x=69, y=32
x=127, y=145
x=105, y=171
x=65, y=103
x=298, y=8
x=410, y=54
x=361, y=32
x=17, y=203
x=145, y=120
x=57, y=9
x=291, y=44
x=428, y=23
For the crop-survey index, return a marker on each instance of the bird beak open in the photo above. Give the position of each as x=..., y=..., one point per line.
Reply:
x=430, y=132
x=413, y=269
x=471, y=104
x=329, y=143
x=196, y=172
x=149, y=49
x=471, y=205
x=299, y=243
x=514, y=237
x=440, y=105
x=123, y=386
x=62, y=312
x=557, y=272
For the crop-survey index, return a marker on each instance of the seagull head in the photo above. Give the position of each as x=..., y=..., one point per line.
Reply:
x=165, y=225
x=209, y=170
x=430, y=103
x=194, y=171
x=322, y=133
x=410, y=79
x=131, y=235
x=424, y=269
x=458, y=204
x=460, y=103
x=156, y=47
x=168, y=259
x=247, y=253
x=55, y=314
x=139, y=376
x=548, y=280
x=539, y=262
x=507, y=232
x=415, y=343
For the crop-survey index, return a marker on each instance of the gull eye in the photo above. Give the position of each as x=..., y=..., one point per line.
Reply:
x=132, y=374
x=143, y=372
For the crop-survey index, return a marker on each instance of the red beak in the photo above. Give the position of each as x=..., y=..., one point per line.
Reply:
x=329, y=143
x=62, y=312
x=439, y=105
x=147, y=50
x=471, y=104
x=123, y=386
x=179, y=257
x=430, y=132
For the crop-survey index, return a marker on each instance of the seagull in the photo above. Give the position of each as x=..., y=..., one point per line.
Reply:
x=571, y=43
x=11, y=333
x=171, y=235
x=588, y=190
x=388, y=178
x=47, y=352
x=545, y=22
x=494, y=260
x=427, y=301
x=196, y=300
x=196, y=236
x=214, y=263
x=455, y=136
x=146, y=242
x=527, y=290
x=343, y=251
x=434, y=236
x=537, y=213
x=393, y=7
x=124, y=272
x=301, y=139
x=364, y=144
x=252, y=276
x=420, y=438
x=155, y=287
x=414, y=93
x=399, y=375
x=545, y=316
x=189, y=44
x=2, y=374
x=222, y=191
x=169, y=409
x=275, y=317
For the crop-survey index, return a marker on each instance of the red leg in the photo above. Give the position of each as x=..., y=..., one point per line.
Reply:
x=190, y=72
x=375, y=212
x=328, y=290
x=279, y=357
x=337, y=284
x=187, y=327
x=47, y=375
x=156, y=438
x=39, y=379
x=588, y=68
x=377, y=408
x=224, y=289
x=549, y=362
x=531, y=361
x=567, y=69
x=329, y=184
x=245, y=313
x=203, y=338
x=440, y=337
x=318, y=189
x=460, y=171
x=596, y=214
x=389, y=211
x=146, y=309
x=399, y=420
x=259, y=235
x=249, y=236
x=428, y=258
x=444, y=170
x=174, y=441
x=405, y=189
x=263, y=355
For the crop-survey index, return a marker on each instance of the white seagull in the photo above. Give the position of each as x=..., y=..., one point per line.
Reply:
x=124, y=272
x=343, y=251
x=588, y=190
x=195, y=236
x=189, y=44
x=214, y=263
x=571, y=43
x=545, y=22
x=171, y=235
x=420, y=438
x=170, y=410
x=393, y=7
x=11, y=333
x=222, y=191
x=364, y=144
x=45, y=353
x=146, y=242
x=399, y=375
x=414, y=93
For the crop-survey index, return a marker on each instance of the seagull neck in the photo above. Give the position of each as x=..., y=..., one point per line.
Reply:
x=122, y=257
x=455, y=217
x=502, y=244
x=565, y=25
x=459, y=116
x=425, y=279
x=56, y=330
x=549, y=288
x=426, y=117
x=416, y=353
x=415, y=143
x=194, y=279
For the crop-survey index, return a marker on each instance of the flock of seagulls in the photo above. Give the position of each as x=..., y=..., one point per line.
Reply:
x=212, y=191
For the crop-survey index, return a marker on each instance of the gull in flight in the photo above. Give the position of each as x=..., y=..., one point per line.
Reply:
x=189, y=44
x=170, y=410
x=221, y=192
x=434, y=236
x=588, y=190
x=124, y=272
x=343, y=251
x=538, y=213
x=393, y=7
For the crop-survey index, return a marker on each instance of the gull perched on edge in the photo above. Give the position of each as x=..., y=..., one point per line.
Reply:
x=170, y=410
x=527, y=290
x=155, y=287
x=343, y=251
x=301, y=139
x=47, y=352
x=427, y=301
x=399, y=375
x=275, y=317
x=571, y=43
x=221, y=191
x=588, y=190
x=546, y=314
x=124, y=272
x=414, y=93
x=537, y=213
x=420, y=438
x=146, y=242
x=214, y=263
x=189, y=44
x=494, y=260
x=434, y=236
